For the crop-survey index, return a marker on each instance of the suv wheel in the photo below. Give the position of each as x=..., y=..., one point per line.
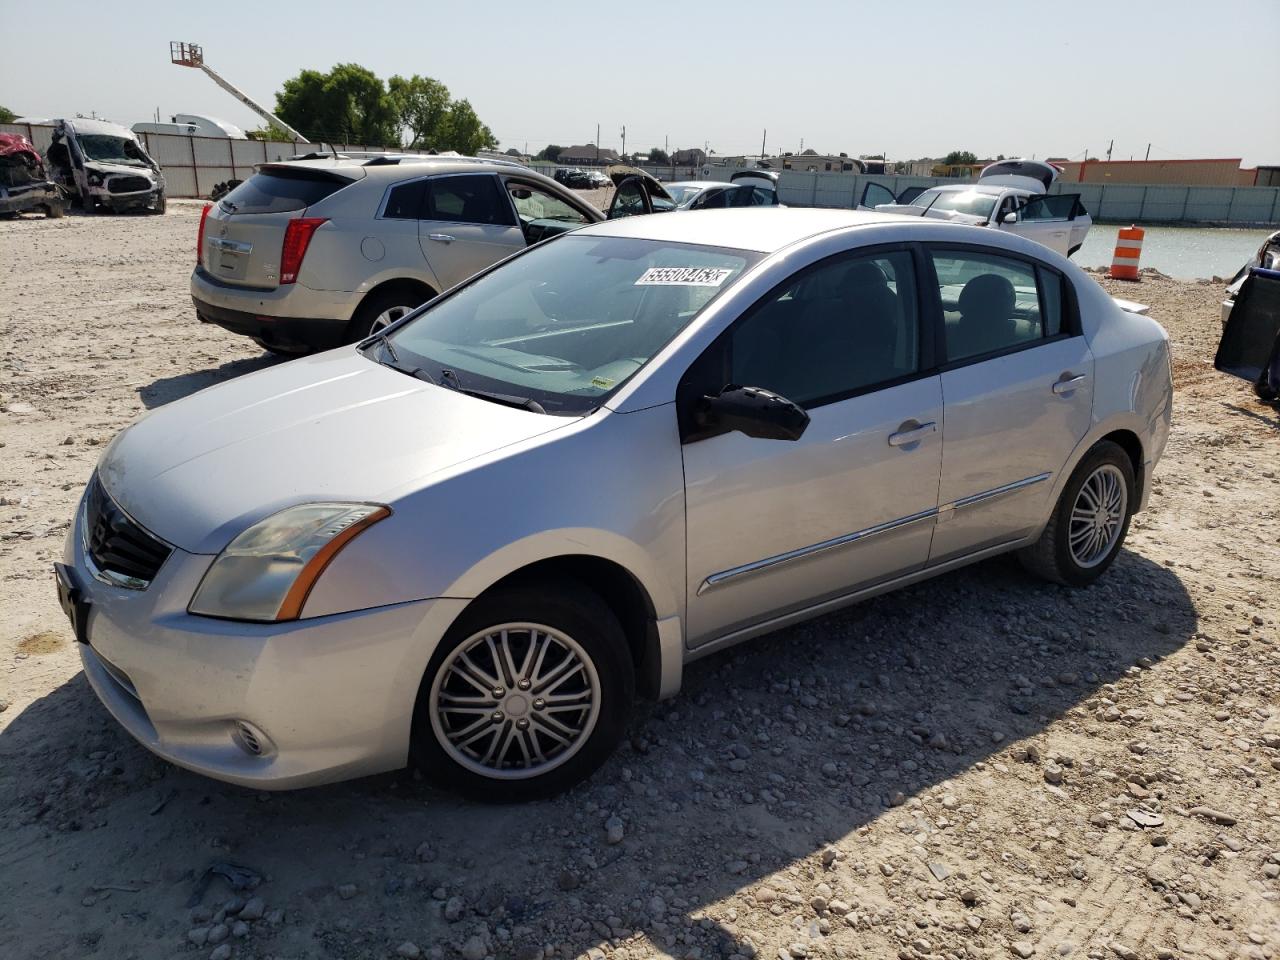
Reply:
x=1090, y=521
x=382, y=310
x=526, y=696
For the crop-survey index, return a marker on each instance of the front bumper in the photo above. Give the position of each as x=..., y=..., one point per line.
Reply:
x=332, y=697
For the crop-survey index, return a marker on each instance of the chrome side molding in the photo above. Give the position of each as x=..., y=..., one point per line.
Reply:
x=940, y=513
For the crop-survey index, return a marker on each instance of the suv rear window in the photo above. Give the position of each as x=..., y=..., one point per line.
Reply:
x=280, y=193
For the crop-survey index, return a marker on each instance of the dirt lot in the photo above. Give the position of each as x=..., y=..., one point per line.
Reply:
x=979, y=766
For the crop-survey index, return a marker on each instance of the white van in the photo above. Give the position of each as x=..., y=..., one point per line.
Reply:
x=103, y=166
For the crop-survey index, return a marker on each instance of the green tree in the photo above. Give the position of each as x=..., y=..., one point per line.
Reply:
x=421, y=106
x=551, y=153
x=7, y=115
x=348, y=104
x=956, y=157
x=270, y=132
x=659, y=157
x=462, y=131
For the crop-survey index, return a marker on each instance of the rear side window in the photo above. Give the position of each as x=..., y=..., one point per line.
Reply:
x=279, y=193
x=993, y=303
x=476, y=198
x=405, y=201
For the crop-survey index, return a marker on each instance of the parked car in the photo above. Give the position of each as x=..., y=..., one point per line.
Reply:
x=311, y=253
x=746, y=188
x=469, y=541
x=1010, y=195
x=575, y=179
x=103, y=166
x=1267, y=257
x=24, y=185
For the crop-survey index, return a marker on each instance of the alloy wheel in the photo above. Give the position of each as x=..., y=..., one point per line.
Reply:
x=1097, y=516
x=387, y=317
x=515, y=701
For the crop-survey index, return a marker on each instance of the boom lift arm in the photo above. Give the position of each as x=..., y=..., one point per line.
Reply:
x=191, y=55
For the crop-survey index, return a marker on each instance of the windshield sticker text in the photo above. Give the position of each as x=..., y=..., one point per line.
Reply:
x=684, y=276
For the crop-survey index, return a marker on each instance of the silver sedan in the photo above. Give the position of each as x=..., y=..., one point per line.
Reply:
x=469, y=542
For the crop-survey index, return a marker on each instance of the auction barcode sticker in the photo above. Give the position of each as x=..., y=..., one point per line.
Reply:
x=684, y=276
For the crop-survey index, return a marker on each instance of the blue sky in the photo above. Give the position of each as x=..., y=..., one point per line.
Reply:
x=912, y=79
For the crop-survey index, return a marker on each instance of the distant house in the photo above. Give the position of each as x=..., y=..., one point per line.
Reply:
x=689, y=158
x=812, y=161
x=587, y=153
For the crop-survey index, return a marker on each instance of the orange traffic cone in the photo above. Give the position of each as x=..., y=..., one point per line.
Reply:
x=1124, y=264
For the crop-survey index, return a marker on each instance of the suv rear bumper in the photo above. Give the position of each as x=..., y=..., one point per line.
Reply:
x=287, y=334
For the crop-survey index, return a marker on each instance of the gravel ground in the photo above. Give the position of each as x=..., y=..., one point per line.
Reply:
x=980, y=766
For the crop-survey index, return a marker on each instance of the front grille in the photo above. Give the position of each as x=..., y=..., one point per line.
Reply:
x=130, y=184
x=124, y=552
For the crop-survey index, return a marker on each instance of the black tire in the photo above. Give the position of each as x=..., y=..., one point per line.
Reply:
x=366, y=316
x=572, y=611
x=1051, y=556
x=160, y=206
x=280, y=352
x=1262, y=390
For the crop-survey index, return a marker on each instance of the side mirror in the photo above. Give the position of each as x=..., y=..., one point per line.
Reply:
x=1009, y=218
x=753, y=411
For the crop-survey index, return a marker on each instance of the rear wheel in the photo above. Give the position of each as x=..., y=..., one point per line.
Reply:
x=1090, y=521
x=527, y=695
x=381, y=310
x=53, y=210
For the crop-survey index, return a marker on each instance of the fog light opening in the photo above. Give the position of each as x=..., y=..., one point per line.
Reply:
x=250, y=739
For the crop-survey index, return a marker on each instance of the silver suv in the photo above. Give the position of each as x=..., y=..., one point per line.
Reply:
x=318, y=251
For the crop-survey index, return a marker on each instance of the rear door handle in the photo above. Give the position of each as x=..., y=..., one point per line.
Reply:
x=442, y=237
x=1068, y=383
x=907, y=434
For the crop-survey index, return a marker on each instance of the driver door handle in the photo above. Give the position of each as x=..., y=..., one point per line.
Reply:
x=1068, y=383
x=906, y=435
x=442, y=237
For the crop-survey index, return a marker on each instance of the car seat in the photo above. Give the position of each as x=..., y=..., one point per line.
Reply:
x=986, y=317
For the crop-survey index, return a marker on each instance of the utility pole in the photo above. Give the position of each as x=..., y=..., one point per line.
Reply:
x=802, y=144
x=1109, y=146
x=763, y=137
x=624, y=142
x=1148, y=156
x=666, y=143
x=597, y=144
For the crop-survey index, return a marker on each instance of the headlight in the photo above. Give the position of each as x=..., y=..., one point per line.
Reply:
x=95, y=179
x=266, y=573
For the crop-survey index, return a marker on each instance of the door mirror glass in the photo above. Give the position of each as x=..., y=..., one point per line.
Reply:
x=753, y=411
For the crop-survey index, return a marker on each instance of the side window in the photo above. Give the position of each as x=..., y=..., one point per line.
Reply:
x=405, y=201
x=1051, y=300
x=474, y=198
x=874, y=193
x=713, y=199
x=843, y=326
x=990, y=303
x=534, y=203
x=1058, y=206
x=628, y=200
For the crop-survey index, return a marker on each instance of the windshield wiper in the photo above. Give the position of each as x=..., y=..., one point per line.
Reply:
x=507, y=399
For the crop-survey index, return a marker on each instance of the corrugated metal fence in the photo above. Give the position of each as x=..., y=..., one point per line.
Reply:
x=192, y=165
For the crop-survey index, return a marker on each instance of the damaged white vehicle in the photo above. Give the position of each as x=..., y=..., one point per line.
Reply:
x=103, y=166
x=1010, y=195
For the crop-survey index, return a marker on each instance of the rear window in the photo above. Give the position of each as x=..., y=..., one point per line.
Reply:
x=279, y=193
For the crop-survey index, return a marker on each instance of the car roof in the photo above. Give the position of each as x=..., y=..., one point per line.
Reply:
x=991, y=189
x=761, y=230
x=390, y=167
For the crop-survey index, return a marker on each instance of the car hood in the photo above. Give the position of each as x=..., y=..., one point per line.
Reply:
x=336, y=426
x=111, y=169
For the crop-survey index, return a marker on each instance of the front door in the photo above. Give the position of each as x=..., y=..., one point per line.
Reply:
x=1048, y=219
x=467, y=224
x=775, y=526
x=1017, y=385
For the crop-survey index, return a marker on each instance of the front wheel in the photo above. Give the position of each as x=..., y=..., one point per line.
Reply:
x=1090, y=520
x=527, y=695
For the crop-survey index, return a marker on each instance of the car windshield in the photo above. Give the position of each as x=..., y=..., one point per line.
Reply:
x=567, y=323
x=683, y=194
x=960, y=201
x=108, y=149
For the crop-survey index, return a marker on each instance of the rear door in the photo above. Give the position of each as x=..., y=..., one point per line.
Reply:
x=467, y=224
x=1017, y=387
x=244, y=233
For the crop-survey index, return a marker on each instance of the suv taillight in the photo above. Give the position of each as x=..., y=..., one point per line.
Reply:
x=297, y=237
x=204, y=215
